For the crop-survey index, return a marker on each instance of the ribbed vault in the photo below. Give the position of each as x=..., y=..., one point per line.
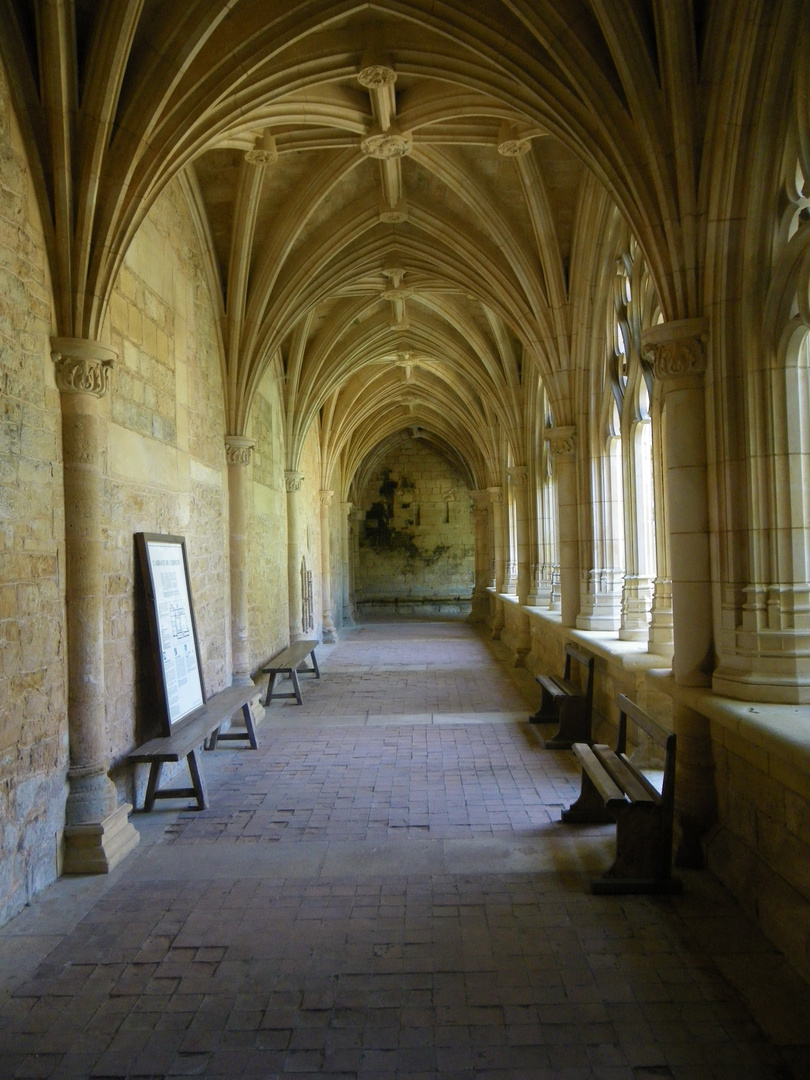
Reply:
x=389, y=195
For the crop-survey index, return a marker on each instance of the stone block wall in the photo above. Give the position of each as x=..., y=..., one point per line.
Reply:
x=33, y=711
x=416, y=543
x=267, y=591
x=165, y=468
x=761, y=848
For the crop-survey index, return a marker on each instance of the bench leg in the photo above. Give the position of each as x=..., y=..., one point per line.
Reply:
x=643, y=859
x=152, y=785
x=296, y=686
x=589, y=807
x=197, y=779
x=315, y=667
x=249, y=728
x=575, y=725
x=548, y=712
x=268, y=694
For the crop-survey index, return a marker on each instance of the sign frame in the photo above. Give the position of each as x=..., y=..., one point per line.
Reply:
x=172, y=627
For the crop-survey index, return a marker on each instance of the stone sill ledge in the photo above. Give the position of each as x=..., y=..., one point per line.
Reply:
x=783, y=730
x=631, y=655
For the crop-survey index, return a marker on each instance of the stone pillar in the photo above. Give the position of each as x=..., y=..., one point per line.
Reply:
x=519, y=484
x=496, y=499
x=329, y=634
x=98, y=833
x=293, y=481
x=356, y=517
x=480, y=599
x=345, y=562
x=677, y=350
x=238, y=452
x=562, y=444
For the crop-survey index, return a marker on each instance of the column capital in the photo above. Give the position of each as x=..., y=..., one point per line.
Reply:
x=518, y=474
x=677, y=349
x=82, y=366
x=562, y=441
x=480, y=498
x=293, y=480
x=238, y=449
x=495, y=494
x=346, y=508
x=326, y=497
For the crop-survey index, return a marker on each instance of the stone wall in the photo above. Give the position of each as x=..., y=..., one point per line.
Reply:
x=310, y=522
x=268, y=610
x=416, y=543
x=33, y=712
x=165, y=466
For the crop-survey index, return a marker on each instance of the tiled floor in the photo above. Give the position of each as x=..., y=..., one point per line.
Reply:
x=384, y=890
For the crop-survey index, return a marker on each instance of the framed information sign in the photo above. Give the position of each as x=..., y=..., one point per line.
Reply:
x=171, y=621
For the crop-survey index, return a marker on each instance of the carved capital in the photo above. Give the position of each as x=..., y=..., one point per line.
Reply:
x=677, y=349
x=82, y=367
x=326, y=497
x=495, y=494
x=480, y=498
x=562, y=441
x=518, y=474
x=238, y=449
x=293, y=480
x=346, y=508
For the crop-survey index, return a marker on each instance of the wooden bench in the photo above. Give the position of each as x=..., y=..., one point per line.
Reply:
x=288, y=662
x=188, y=737
x=565, y=704
x=614, y=789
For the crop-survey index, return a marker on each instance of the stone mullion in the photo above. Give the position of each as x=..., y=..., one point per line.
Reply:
x=97, y=831
x=238, y=452
x=660, y=636
x=329, y=634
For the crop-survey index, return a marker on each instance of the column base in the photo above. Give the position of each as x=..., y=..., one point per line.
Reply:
x=329, y=637
x=97, y=847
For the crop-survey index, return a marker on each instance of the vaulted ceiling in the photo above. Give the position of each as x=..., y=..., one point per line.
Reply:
x=397, y=199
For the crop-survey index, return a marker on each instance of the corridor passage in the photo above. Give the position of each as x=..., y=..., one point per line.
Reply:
x=384, y=890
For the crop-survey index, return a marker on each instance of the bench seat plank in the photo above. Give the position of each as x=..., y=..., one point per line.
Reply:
x=625, y=776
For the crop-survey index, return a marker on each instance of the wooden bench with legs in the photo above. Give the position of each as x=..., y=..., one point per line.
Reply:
x=288, y=662
x=565, y=704
x=614, y=789
x=187, y=739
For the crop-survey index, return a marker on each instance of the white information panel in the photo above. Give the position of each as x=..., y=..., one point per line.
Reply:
x=175, y=627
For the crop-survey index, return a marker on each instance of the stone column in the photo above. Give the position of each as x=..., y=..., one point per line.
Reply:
x=329, y=634
x=677, y=350
x=345, y=562
x=562, y=443
x=518, y=479
x=238, y=452
x=98, y=833
x=480, y=599
x=496, y=499
x=293, y=481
